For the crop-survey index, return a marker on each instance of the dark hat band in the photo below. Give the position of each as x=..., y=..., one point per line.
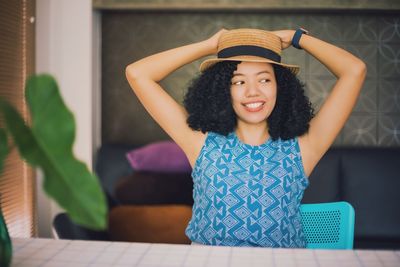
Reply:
x=249, y=50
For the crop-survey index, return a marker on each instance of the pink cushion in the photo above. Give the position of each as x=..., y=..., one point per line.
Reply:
x=163, y=156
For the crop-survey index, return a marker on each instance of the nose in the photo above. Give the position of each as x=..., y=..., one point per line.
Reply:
x=252, y=88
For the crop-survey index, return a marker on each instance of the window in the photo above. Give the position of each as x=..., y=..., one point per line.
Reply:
x=17, y=182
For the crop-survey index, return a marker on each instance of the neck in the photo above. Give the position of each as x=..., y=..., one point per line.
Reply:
x=252, y=134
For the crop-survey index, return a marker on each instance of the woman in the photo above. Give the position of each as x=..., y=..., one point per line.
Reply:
x=248, y=130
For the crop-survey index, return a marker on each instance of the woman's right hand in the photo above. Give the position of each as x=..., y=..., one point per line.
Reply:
x=213, y=40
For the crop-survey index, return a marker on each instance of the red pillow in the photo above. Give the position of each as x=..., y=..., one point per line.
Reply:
x=163, y=156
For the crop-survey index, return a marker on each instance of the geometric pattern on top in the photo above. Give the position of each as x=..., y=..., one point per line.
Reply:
x=248, y=195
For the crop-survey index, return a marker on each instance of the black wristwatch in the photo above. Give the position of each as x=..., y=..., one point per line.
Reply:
x=296, y=37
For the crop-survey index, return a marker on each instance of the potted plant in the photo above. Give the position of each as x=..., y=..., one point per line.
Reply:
x=47, y=144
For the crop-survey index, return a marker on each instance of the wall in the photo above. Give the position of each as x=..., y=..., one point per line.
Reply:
x=374, y=37
x=64, y=48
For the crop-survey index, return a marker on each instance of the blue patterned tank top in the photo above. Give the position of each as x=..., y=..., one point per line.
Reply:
x=247, y=195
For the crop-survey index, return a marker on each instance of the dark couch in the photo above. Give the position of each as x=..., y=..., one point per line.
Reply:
x=368, y=178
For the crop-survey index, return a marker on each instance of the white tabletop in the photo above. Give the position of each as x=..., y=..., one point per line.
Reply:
x=51, y=252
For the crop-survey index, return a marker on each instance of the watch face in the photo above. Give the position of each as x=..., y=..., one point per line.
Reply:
x=303, y=30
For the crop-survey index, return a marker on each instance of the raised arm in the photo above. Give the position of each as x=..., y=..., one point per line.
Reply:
x=330, y=119
x=143, y=77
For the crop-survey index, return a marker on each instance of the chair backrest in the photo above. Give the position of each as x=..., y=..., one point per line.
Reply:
x=328, y=225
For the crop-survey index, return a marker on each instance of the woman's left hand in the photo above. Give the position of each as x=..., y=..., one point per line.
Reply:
x=286, y=37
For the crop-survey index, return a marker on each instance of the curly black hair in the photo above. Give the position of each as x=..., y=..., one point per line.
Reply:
x=208, y=103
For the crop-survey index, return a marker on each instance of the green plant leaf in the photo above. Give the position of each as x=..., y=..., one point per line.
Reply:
x=4, y=150
x=48, y=145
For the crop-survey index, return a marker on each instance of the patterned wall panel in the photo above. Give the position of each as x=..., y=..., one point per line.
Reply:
x=129, y=36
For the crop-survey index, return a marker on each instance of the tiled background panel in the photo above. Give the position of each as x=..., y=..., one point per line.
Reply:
x=360, y=130
x=375, y=38
x=389, y=129
x=389, y=98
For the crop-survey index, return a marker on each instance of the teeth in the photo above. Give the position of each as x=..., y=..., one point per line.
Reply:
x=254, y=105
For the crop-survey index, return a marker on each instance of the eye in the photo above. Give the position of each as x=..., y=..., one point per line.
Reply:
x=237, y=83
x=265, y=80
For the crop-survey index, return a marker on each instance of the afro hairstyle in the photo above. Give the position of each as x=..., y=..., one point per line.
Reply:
x=209, y=106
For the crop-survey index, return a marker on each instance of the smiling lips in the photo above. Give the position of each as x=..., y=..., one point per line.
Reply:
x=254, y=106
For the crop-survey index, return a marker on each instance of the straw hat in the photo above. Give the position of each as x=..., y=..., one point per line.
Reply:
x=250, y=45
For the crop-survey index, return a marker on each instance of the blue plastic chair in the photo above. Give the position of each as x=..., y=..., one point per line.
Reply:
x=328, y=225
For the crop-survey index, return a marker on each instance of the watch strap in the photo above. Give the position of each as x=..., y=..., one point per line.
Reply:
x=296, y=37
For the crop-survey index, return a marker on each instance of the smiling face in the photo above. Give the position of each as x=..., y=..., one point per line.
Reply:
x=253, y=92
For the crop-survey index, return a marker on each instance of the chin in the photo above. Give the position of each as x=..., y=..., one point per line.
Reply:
x=254, y=120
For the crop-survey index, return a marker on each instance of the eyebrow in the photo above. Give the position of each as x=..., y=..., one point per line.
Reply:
x=240, y=74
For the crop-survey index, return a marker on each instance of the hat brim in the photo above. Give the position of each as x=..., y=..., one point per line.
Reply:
x=210, y=62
